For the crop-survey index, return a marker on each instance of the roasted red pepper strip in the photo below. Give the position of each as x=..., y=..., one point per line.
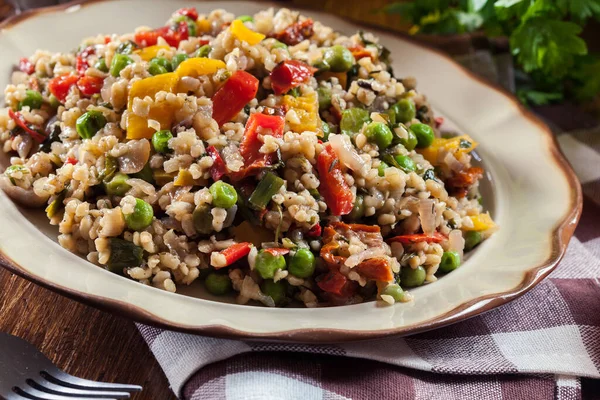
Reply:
x=329, y=251
x=235, y=253
x=333, y=188
x=35, y=135
x=336, y=283
x=459, y=184
x=233, y=96
x=359, y=52
x=290, y=74
x=90, y=85
x=26, y=66
x=315, y=231
x=277, y=251
x=377, y=269
x=60, y=86
x=218, y=168
x=436, y=237
x=296, y=32
x=188, y=12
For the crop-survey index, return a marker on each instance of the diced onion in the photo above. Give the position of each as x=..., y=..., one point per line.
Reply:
x=346, y=152
x=357, y=258
x=452, y=162
x=456, y=242
x=427, y=216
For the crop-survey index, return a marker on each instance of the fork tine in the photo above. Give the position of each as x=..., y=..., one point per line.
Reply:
x=30, y=393
x=50, y=387
x=59, y=377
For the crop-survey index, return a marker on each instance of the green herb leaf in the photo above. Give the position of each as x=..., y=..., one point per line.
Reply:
x=580, y=9
x=538, y=98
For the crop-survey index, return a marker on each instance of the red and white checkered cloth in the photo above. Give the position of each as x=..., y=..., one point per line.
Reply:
x=538, y=347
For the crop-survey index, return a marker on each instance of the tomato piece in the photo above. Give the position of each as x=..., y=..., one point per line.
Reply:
x=18, y=118
x=277, y=251
x=296, y=32
x=26, y=66
x=218, y=168
x=333, y=187
x=236, y=252
x=290, y=74
x=459, y=184
x=90, y=85
x=188, y=12
x=315, y=231
x=436, y=237
x=377, y=269
x=60, y=86
x=233, y=96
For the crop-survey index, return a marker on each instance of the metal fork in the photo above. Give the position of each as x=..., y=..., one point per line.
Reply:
x=25, y=373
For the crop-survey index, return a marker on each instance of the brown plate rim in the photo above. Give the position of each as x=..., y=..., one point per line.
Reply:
x=561, y=235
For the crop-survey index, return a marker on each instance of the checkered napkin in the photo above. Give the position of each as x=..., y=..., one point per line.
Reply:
x=536, y=347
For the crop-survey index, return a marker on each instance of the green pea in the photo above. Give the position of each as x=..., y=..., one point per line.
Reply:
x=141, y=217
x=406, y=163
x=380, y=134
x=472, y=239
x=117, y=186
x=278, y=45
x=353, y=120
x=223, y=194
x=302, y=263
x=450, y=261
x=160, y=141
x=324, y=95
x=192, y=28
x=245, y=18
x=33, y=99
x=202, y=219
x=338, y=58
x=395, y=291
x=101, y=65
x=218, y=284
x=358, y=211
x=410, y=142
x=118, y=63
x=267, y=264
x=424, y=134
x=178, y=59
x=89, y=123
x=412, y=277
x=381, y=168
x=158, y=66
x=275, y=290
x=326, y=131
x=404, y=110
x=203, y=51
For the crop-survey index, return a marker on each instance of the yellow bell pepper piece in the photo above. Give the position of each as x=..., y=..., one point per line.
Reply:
x=199, y=66
x=307, y=110
x=241, y=32
x=456, y=145
x=184, y=178
x=481, y=222
x=148, y=53
x=137, y=127
x=203, y=25
x=342, y=77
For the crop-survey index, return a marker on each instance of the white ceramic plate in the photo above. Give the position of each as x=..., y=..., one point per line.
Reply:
x=535, y=196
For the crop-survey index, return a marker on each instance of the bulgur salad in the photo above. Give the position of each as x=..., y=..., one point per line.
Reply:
x=265, y=155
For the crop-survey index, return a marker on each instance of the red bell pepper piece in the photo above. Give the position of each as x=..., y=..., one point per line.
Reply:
x=254, y=160
x=233, y=96
x=336, y=283
x=377, y=269
x=18, y=118
x=90, y=85
x=26, y=66
x=218, y=168
x=436, y=237
x=81, y=63
x=171, y=36
x=277, y=251
x=290, y=74
x=60, y=86
x=333, y=188
x=315, y=231
x=296, y=32
x=188, y=12
x=235, y=252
